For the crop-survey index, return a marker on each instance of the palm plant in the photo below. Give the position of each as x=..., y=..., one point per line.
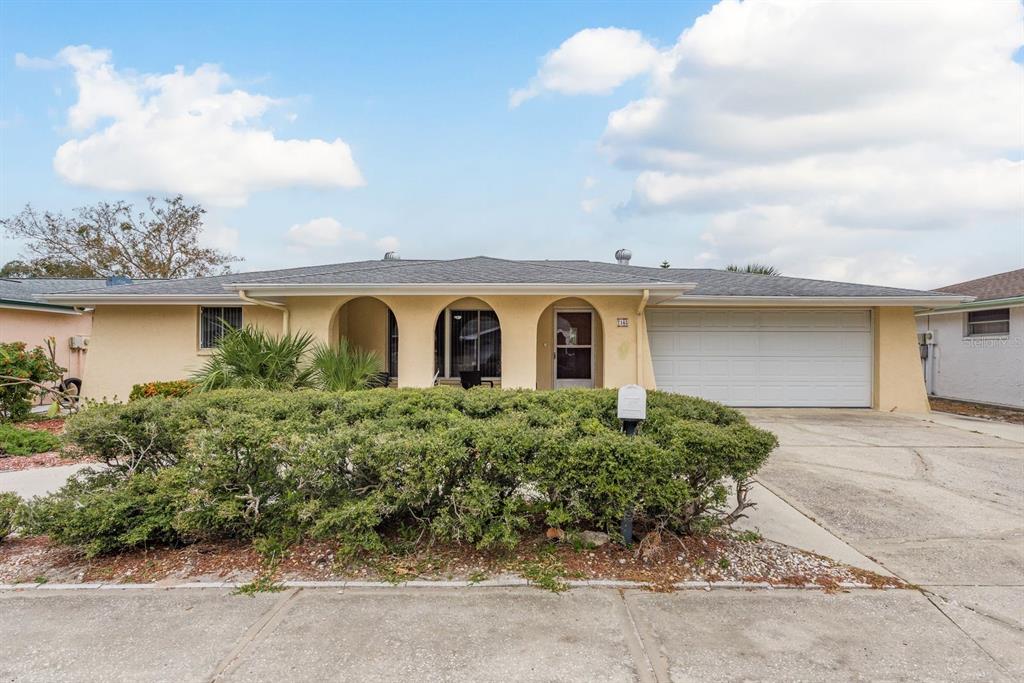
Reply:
x=755, y=268
x=250, y=358
x=345, y=367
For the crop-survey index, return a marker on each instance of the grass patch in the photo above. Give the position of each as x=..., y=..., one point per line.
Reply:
x=17, y=441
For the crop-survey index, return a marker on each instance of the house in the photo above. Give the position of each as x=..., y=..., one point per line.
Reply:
x=743, y=339
x=975, y=351
x=26, y=316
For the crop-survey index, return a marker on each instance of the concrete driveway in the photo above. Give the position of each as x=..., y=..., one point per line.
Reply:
x=938, y=501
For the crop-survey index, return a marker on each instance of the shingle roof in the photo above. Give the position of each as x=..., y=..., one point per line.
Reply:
x=1000, y=286
x=486, y=270
x=33, y=290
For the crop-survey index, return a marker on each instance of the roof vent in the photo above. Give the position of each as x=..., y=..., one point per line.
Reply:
x=391, y=256
x=115, y=280
x=622, y=257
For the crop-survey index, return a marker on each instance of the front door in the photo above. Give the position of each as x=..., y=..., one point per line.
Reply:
x=574, y=349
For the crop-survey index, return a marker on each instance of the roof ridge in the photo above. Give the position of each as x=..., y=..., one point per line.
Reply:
x=395, y=264
x=551, y=264
x=981, y=279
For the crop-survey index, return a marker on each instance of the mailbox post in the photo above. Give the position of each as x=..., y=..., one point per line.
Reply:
x=632, y=410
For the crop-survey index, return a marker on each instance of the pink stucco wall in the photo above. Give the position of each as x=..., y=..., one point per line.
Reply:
x=33, y=327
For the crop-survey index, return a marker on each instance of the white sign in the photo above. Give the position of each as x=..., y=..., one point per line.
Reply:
x=632, y=402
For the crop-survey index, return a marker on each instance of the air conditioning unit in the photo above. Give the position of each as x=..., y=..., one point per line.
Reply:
x=79, y=341
x=927, y=337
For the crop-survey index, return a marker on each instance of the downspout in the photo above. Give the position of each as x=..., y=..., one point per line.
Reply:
x=269, y=304
x=639, y=335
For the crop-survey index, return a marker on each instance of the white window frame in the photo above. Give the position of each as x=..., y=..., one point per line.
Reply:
x=968, y=330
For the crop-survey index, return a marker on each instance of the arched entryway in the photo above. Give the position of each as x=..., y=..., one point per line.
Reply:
x=467, y=339
x=570, y=345
x=367, y=323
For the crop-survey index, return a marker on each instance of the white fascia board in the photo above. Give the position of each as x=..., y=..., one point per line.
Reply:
x=148, y=300
x=986, y=305
x=40, y=308
x=818, y=301
x=467, y=289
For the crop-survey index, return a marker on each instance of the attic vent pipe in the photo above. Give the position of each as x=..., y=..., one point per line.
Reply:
x=622, y=257
x=391, y=256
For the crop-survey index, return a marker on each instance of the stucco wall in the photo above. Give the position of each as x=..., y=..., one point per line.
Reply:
x=898, y=381
x=364, y=322
x=134, y=344
x=984, y=369
x=546, y=343
x=33, y=327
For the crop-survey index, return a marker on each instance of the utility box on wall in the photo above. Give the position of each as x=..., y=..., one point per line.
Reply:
x=79, y=341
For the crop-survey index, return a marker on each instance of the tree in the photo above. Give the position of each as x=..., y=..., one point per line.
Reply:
x=111, y=239
x=666, y=264
x=756, y=268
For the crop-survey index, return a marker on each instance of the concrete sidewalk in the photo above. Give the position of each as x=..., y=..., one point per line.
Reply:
x=40, y=480
x=481, y=634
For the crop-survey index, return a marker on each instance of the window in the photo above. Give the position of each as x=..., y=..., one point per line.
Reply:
x=475, y=343
x=392, y=344
x=988, y=323
x=214, y=322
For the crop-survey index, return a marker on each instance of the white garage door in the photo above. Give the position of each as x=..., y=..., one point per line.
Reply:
x=764, y=358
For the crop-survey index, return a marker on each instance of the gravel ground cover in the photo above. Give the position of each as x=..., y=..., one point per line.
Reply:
x=659, y=562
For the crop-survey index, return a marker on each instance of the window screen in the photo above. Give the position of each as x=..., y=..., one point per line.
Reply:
x=476, y=343
x=981, y=323
x=214, y=321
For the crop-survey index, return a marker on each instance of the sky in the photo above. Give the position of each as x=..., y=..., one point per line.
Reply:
x=876, y=142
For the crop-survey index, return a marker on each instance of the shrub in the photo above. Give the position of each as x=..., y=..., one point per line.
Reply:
x=345, y=367
x=173, y=389
x=17, y=441
x=250, y=357
x=480, y=466
x=10, y=504
x=19, y=363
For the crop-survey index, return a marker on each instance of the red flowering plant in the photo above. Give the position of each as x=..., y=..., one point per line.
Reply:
x=22, y=374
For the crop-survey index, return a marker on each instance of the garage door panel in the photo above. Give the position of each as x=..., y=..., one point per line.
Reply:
x=764, y=358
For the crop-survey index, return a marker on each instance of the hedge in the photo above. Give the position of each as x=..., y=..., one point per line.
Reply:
x=172, y=389
x=482, y=466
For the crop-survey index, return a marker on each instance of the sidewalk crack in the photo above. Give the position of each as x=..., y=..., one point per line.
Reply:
x=264, y=624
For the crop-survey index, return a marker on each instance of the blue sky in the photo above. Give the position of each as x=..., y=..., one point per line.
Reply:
x=420, y=94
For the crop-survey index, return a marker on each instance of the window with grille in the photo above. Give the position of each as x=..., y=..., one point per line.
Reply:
x=214, y=321
x=988, y=323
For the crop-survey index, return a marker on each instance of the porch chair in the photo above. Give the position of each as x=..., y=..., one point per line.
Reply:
x=473, y=378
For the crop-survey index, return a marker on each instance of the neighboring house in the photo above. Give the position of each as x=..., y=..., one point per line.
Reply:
x=26, y=316
x=743, y=339
x=975, y=351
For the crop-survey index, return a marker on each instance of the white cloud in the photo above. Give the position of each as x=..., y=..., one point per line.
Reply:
x=23, y=61
x=192, y=133
x=322, y=232
x=588, y=205
x=594, y=61
x=589, y=182
x=835, y=139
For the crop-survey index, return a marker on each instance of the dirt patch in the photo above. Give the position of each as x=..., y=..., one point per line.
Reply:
x=660, y=563
x=14, y=463
x=54, y=425
x=980, y=410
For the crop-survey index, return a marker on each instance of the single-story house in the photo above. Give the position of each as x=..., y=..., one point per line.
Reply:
x=743, y=339
x=974, y=351
x=26, y=316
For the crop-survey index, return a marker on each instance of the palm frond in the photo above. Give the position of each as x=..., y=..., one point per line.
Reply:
x=251, y=358
x=345, y=367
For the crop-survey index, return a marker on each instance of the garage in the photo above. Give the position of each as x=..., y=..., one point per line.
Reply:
x=785, y=358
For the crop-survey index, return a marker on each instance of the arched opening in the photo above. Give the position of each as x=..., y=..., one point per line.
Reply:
x=570, y=345
x=369, y=324
x=467, y=342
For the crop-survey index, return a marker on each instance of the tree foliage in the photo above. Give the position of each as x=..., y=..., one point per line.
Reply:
x=755, y=268
x=109, y=239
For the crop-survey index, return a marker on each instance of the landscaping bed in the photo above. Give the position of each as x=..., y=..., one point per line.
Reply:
x=979, y=410
x=51, y=456
x=549, y=565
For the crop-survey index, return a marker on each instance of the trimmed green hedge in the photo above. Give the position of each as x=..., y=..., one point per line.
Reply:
x=481, y=466
x=18, y=441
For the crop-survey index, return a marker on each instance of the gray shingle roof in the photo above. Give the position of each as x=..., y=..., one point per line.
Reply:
x=486, y=270
x=1000, y=286
x=33, y=290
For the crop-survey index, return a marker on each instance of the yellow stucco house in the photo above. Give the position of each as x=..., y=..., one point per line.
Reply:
x=742, y=339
